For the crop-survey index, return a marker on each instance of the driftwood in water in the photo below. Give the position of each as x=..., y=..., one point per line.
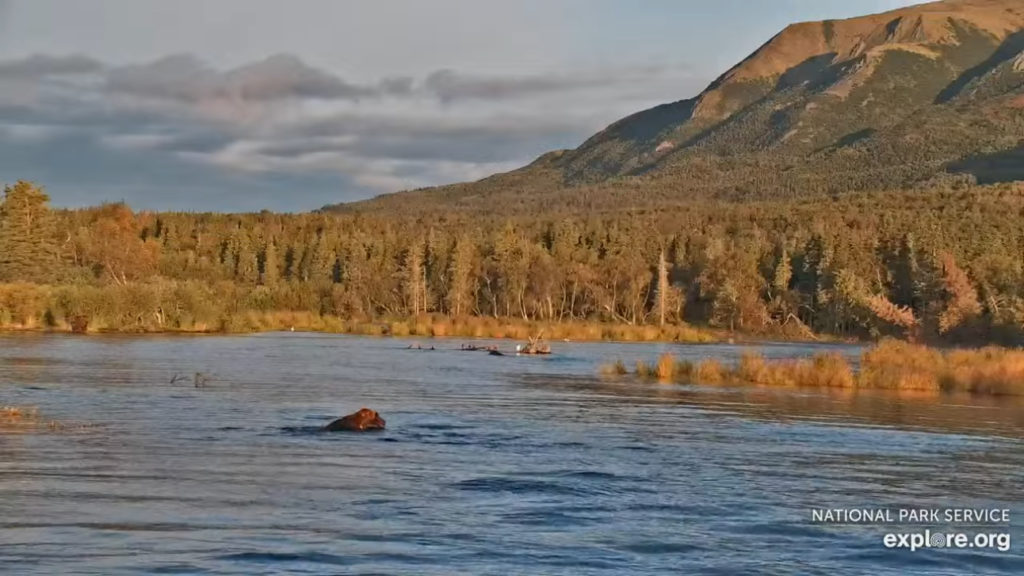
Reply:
x=199, y=379
x=536, y=346
x=493, y=350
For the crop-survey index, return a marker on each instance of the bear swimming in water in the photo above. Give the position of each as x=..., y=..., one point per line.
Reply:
x=363, y=420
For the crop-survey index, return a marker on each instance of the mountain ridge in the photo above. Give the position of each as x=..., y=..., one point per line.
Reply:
x=899, y=99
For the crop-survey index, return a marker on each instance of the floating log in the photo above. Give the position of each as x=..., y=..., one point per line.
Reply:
x=535, y=346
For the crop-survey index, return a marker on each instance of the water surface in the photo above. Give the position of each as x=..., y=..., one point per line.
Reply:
x=490, y=465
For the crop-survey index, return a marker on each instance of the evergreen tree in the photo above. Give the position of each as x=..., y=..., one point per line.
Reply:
x=323, y=261
x=230, y=253
x=248, y=269
x=461, y=295
x=28, y=251
x=905, y=275
x=413, y=277
x=271, y=268
x=304, y=266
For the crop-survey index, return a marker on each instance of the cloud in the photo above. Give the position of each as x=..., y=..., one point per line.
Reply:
x=5, y=19
x=449, y=85
x=438, y=137
x=39, y=65
x=280, y=134
x=185, y=78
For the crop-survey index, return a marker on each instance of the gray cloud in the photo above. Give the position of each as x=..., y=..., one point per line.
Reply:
x=449, y=85
x=179, y=77
x=286, y=76
x=398, y=86
x=494, y=139
x=177, y=133
x=196, y=141
x=81, y=171
x=42, y=65
x=188, y=79
x=5, y=19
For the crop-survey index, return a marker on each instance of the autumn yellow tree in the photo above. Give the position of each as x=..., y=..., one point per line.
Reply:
x=117, y=247
x=962, y=303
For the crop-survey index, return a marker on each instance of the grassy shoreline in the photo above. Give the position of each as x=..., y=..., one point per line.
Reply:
x=482, y=328
x=888, y=365
x=426, y=326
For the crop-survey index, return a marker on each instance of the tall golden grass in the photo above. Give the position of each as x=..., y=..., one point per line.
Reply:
x=25, y=420
x=422, y=326
x=192, y=306
x=440, y=326
x=890, y=365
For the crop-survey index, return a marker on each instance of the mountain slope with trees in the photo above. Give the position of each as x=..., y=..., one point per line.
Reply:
x=923, y=265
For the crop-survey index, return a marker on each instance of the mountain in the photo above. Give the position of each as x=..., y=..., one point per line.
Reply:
x=916, y=97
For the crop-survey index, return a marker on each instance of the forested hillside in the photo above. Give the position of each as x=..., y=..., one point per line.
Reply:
x=935, y=265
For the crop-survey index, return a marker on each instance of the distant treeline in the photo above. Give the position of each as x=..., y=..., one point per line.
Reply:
x=923, y=265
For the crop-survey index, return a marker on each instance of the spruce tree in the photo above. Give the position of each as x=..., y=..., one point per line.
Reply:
x=413, y=277
x=461, y=297
x=247, y=270
x=271, y=264
x=27, y=246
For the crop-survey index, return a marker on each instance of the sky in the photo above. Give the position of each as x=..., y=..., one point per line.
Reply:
x=289, y=105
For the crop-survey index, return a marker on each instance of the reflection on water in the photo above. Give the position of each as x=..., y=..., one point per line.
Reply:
x=490, y=465
x=906, y=409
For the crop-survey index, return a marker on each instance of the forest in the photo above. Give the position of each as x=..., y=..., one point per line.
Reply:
x=936, y=266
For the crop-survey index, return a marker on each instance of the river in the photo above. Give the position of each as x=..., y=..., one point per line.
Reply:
x=490, y=465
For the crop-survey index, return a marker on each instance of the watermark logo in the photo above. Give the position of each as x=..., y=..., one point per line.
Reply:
x=915, y=541
x=912, y=516
x=916, y=529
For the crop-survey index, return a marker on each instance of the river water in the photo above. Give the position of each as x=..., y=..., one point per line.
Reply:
x=490, y=465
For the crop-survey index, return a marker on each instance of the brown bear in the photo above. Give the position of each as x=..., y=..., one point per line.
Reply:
x=363, y=420
x=79, y=324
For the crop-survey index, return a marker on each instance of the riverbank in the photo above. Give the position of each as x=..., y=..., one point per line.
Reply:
x=424, y=326
x=225, y=308
x=888, y=365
